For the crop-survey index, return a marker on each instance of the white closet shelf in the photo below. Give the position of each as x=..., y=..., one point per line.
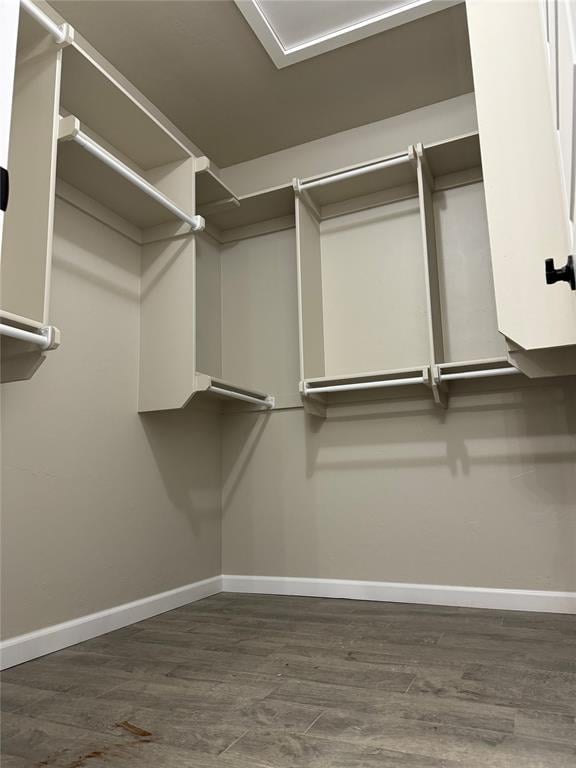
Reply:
x=228, y=392
x=454, y=162
x=211, y=193
x=101, y=98
x=113, y=181
x=383, y=384
x=389, y=178
x=269, y=210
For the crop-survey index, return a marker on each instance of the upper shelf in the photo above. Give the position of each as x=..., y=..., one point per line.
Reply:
x=394, y=174
x=104, y=180
x=211, y=192
x=93, y=90
x=102, y=100
x=454, y=161
x=268, y=210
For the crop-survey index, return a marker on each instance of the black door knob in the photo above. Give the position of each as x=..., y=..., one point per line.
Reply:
x=4, y=189
x=564, y=274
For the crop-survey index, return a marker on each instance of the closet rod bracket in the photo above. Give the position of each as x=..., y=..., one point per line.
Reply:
x=67, y=36
x=52, y=336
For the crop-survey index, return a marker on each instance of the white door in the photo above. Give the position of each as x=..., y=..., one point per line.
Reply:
x=528, y=162
x=9, y=10
x=566, y=100
x=560, y=25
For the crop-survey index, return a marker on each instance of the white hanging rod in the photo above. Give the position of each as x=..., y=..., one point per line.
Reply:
x=46, y=338
x=267, y=402
x=308, y=390
x=399, y=160
x=59, y=33
x=196, y=222
x=478, y=374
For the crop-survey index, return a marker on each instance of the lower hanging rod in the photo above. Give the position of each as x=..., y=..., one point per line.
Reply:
x=391, y=161
x=46, y=338
x=488, y=372
x=267, y=402
x=59, y=33
x=308, y=390
x=196, y=222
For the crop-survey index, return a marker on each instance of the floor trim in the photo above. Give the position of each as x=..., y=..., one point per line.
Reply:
x=17, y=650
x=395, y=592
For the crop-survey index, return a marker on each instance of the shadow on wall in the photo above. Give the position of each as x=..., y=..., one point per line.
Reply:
x=100, y=268
x=529, y=433
x=186, y=448
x=253, y=428
x=527, y=427
x=19, y=361
x=494, y=461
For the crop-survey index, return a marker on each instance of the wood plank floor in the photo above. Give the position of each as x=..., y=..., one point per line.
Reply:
x=282, y=682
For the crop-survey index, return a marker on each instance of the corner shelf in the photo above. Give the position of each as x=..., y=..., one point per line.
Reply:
x=455, y=162
x=211, y=192
x=270, y=210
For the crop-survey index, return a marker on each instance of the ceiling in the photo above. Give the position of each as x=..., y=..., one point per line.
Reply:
x=298, y=22
x=201, y=64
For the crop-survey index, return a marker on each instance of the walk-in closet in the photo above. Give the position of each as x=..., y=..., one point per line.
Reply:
x=288, y=365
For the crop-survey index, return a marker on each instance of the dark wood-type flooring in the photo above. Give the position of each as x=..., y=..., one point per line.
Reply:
x=241, y=681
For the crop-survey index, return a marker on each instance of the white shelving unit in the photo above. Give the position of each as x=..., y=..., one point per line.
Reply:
x=246, y=323
x=391, y=278
x=395, y=283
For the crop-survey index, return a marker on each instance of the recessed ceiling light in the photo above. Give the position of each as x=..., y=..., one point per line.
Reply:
x=294, y=30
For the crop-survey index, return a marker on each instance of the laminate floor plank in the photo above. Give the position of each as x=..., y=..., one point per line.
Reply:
x=296, y=751
x=466, y=745
x=252, y=681
x=14, y=697
x=545, y=691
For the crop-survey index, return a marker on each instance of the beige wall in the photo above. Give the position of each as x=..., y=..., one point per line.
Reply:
x=100, y=506
x=436, y=122
x=485, y=496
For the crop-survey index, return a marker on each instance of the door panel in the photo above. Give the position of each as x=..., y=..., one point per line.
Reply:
x=526, y=195
x=8, y=35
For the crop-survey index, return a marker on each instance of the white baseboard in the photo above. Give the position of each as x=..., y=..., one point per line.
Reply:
x=394, y=592
x=22, y=648
x=17, y=650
